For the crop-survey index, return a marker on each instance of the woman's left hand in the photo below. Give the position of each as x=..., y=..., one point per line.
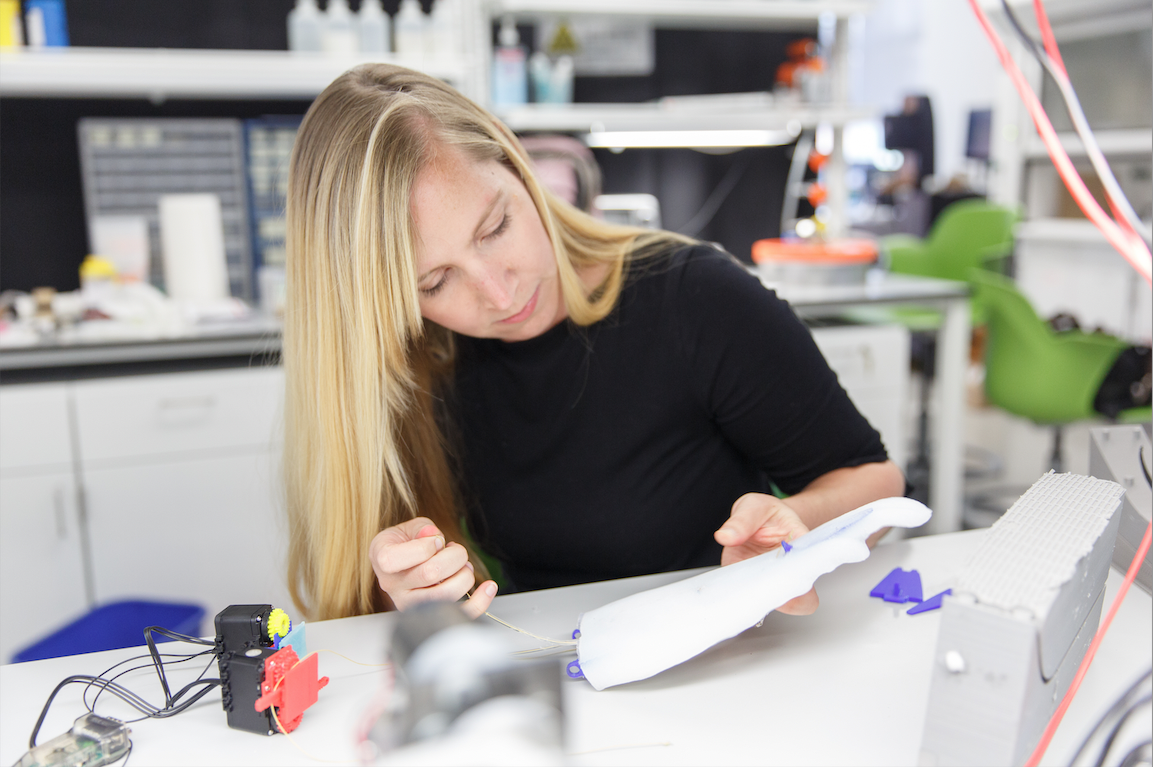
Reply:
x=759, y=523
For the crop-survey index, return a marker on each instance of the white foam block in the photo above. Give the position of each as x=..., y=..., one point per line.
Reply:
x=644, y=634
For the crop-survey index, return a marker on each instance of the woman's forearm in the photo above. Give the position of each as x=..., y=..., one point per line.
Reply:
x=841, y=490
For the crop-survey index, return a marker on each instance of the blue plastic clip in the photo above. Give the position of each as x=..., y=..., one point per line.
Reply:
x=932, y=603
x=899, y=586
x=573, y=669
x=785, y=545
x=576, y=633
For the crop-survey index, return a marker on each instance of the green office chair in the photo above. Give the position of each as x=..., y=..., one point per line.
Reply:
x=1034, y=372
x=966, y=234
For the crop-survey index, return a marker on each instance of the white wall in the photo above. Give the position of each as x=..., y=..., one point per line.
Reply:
x=931, y=47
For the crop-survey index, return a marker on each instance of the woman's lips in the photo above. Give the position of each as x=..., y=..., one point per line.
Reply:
x=524, y=313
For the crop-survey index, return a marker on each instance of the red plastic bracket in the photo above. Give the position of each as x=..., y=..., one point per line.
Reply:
x=291, y=685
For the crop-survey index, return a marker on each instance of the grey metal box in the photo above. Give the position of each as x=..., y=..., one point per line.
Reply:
x=1022, y=614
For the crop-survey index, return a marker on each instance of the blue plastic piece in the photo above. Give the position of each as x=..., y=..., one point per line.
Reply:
x=573, y=669
x=115, y=625
x=899, y=586
x=576, y=633
x=786, y=546
x=932, y=603
x=296, y=640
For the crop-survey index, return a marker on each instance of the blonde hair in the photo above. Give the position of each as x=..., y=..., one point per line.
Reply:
x=364, y=442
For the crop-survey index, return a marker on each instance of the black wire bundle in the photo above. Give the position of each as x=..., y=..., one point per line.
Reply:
x=1123, y=709
x=174, y=703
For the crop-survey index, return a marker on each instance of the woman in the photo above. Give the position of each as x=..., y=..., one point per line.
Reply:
x=595, y=401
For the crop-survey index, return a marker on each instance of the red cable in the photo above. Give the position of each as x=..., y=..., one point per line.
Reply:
x=1126, y=243
x=1059, y=714
x=1055, y=54
x=1047, y=36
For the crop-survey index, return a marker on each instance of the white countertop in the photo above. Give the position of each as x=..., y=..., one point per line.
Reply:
x=847, y=685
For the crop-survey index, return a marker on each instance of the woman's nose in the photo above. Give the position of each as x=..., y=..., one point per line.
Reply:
x=497, y=286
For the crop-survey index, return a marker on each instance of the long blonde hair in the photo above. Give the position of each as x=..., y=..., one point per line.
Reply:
x=364, y=445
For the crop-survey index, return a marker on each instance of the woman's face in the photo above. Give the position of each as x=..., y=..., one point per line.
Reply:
x=485, y=265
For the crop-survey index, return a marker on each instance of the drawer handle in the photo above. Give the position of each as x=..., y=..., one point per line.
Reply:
x=185, y=411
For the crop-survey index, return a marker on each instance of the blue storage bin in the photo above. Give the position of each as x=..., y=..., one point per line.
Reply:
x=115, y=625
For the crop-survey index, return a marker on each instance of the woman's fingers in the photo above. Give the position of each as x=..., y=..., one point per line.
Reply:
x=480, y=600
x=449, y=590
x=436, y=569
x=398, y=557
x=748, y=514
x=805, y=604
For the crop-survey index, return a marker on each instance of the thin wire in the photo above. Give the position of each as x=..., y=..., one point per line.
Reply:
x=1105, y=749
x=1047, y=34
x=1059, y=714
x=716, y=198
x=104, y=674
x=1137, y=755
x=618, y=748
x=529, y=633
x=1117, y=198
x=350, y=660
x=285, y=733
x=1128, y=245
x=1117, y=706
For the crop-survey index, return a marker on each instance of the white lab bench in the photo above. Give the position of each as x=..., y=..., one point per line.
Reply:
x=847, y=685
x=122, y=482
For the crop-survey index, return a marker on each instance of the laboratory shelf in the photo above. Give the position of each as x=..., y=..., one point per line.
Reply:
x=580, y=118
x=162, y=73
x=1065, y=230
x=1115, y=142
x=718, y=14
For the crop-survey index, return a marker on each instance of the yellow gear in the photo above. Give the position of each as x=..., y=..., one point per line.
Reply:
x=279, y=624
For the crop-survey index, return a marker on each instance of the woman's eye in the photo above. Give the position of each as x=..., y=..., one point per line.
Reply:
x=500, y=229
x=434, y=289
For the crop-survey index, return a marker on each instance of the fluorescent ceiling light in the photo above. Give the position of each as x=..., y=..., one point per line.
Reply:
x=637, y=139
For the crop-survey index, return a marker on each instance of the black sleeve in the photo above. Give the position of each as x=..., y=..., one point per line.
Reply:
x=761, y=376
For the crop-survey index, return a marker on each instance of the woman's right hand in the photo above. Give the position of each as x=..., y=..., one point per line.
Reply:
x=413, y=565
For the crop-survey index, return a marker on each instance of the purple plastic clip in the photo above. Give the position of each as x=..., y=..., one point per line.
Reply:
x=785, y=545
x=576, y=633
x=573, y=669
x=899, y=586
x=932, y=603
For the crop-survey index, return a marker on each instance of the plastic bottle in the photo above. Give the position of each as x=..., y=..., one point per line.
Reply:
x=338, y=35
x=409, y=29
x=46, y=23
x=444, y=38
x=11, y=28
x=560, y=82
x=372, y=27
x=509, y=70
x=304, y=22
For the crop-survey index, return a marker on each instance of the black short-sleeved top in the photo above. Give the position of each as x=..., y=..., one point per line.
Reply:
x=618, y=449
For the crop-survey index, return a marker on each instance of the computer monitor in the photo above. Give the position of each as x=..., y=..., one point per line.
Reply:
x=980, y=133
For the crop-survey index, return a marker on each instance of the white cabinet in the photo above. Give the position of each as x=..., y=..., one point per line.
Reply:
x=872, y=364
x=180, y=490
x=147, y=417
x=42, y=582
x=206, y=530
x=160, y=487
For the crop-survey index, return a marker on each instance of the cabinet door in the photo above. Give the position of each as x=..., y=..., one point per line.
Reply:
x=872, y=364
x=205, y=530
x=41, y=567
x=34, y=433
x=177, y=415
